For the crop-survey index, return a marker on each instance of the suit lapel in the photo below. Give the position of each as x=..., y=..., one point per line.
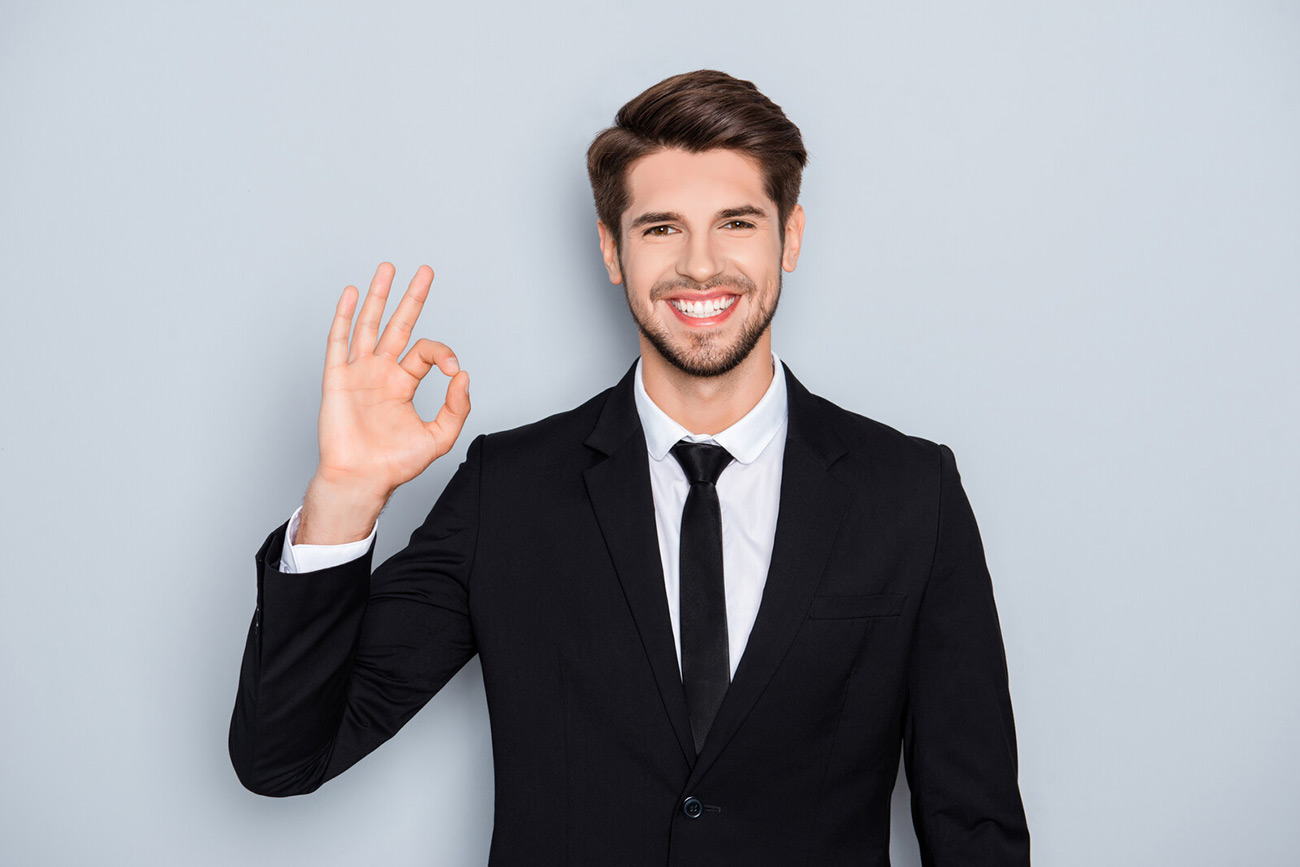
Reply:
x=813, y=504
x=619, y=488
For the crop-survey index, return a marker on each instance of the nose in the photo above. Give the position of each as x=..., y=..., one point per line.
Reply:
x=701, y=259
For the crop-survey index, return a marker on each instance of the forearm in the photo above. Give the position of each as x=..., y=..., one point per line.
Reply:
x=295, y=671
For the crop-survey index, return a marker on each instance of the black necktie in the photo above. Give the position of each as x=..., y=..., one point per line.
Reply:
x=706, y=664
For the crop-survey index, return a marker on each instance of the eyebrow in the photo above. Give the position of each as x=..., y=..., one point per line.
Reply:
x=675, y=217
x=656, y=217
x=742, y=211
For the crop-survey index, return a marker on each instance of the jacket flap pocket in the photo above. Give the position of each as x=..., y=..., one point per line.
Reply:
x=849, y=607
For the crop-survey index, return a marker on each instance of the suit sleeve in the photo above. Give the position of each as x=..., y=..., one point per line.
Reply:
x=338, y=660
x=959, y=736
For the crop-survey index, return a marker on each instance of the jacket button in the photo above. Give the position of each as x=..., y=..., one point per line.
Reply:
x=692, y=807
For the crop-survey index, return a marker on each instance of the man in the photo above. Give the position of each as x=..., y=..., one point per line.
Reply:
x=709, y=605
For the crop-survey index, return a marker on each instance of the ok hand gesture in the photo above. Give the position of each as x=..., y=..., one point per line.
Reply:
x=371, y=438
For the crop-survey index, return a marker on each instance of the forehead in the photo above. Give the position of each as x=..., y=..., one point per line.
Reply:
x=678, y=180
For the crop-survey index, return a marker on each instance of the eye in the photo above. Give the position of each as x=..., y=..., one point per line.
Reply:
x=660, y=230
x=739, y=224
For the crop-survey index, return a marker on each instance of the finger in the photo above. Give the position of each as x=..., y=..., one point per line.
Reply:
x=398, y=330
x=425, y=354
x=447, y=424
x=372, y=310
x=336, y=345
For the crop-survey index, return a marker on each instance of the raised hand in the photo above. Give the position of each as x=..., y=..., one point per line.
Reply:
x=371, y=438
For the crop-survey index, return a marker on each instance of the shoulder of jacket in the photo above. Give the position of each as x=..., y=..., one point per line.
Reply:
x=563, y=431
x=862, y=432
x=877, y=454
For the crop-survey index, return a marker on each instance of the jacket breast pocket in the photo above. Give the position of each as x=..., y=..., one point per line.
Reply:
x=856, y=607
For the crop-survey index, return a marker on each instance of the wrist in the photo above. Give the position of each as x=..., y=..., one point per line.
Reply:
x=333, y=513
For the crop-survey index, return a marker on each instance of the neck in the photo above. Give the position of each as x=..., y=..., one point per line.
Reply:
x=708, y=404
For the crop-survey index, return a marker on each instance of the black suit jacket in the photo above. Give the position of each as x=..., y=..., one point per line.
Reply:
x=877, y=627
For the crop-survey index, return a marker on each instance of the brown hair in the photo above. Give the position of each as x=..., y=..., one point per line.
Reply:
x=697, y=111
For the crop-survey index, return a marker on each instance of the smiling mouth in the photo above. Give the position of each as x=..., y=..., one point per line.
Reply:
x=702, y=309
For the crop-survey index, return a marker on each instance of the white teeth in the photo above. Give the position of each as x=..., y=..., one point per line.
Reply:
x=703, y=309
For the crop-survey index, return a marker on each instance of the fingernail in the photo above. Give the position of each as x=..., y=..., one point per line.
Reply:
x=453, y=366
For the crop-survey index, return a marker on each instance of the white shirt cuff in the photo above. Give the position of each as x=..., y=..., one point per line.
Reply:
x=311, y=558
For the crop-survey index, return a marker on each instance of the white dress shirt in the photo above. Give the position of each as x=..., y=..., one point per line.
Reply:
x=749, y=493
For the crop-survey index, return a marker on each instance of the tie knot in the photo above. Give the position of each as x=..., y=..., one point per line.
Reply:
x=702, y=462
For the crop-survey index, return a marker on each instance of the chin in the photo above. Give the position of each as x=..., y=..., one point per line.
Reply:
x=706, y=359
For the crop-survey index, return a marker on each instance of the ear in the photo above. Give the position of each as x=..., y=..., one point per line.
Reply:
x=609, y=251
x=793, y=238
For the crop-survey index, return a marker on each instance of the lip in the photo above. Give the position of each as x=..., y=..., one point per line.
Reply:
x=698, y=322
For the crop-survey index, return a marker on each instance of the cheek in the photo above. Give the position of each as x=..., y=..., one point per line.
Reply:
x=643, y=271
x=757, y=259
x=763, y=271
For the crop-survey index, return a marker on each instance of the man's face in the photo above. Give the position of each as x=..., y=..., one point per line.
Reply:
x=701, y=257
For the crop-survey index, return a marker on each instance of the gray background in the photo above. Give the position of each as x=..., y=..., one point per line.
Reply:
x=1061, y=240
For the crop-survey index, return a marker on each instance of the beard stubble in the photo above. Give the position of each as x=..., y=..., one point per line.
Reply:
x=706, y=355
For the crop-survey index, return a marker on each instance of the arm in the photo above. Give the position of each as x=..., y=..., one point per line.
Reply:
x=959, y=738
x=336, y=661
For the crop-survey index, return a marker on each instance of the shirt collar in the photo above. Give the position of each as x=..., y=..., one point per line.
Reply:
x=745, y=439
